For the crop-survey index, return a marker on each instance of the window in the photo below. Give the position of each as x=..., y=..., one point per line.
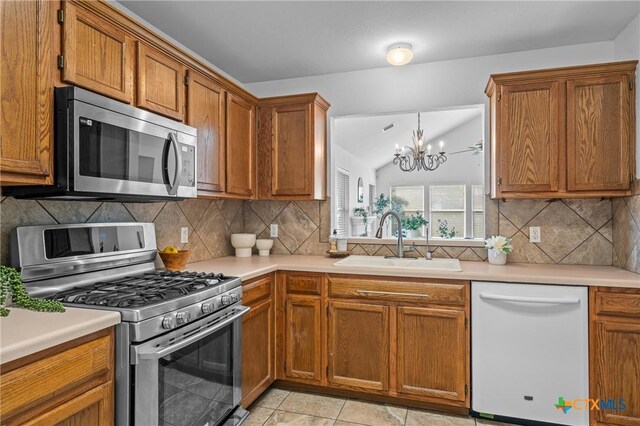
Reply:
x=342, y=202
x=447, y=203
x=372, y=197
x=477, y=207
x=407, y=201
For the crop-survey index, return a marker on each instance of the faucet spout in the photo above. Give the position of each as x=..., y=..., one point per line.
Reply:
x=400, y=244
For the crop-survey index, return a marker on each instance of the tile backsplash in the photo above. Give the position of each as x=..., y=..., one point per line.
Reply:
x=592, y=232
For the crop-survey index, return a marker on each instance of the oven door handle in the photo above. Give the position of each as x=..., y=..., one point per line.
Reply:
x=173, y=187
x=158, y=353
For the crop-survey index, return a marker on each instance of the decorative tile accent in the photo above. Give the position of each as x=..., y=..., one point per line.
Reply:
x=294, y=227
x=111, y=212
x=144, y=212
x=69, y=211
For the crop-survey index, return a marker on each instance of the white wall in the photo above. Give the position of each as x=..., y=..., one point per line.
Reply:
x=459, y=168
x=347, y=161
x=627, y=47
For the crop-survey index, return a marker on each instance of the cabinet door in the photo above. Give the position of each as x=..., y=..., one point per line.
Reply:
x=616, y=367
x=292, y=148
x=529, y=139
x=240, y=147
x=302, y=338
x=599, y=133
x=358, y=345
x=432, y=352
x=97, y=55
x=205, y=111
x=92, y=408
x=160, y=82
x=26, y=106
x=257, y=350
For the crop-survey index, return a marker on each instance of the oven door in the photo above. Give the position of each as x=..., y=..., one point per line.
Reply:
x=115, y=153
x=190, y=376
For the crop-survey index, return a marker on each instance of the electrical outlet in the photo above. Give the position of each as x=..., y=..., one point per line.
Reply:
x=184, y=235
x=274, y=230
x=534, y=234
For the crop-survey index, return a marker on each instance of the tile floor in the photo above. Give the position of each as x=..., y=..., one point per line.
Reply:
x=280, y=407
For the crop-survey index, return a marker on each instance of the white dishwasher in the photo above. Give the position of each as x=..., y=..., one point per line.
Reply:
x=529, y=348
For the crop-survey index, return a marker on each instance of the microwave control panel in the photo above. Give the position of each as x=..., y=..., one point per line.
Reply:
x=188, y=165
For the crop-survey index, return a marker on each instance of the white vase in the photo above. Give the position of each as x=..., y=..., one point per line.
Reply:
x=497, y=257
x=413, y=233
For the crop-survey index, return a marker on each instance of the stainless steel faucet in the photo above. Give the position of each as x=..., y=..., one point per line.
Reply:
x=427, y=253
x=400, y=245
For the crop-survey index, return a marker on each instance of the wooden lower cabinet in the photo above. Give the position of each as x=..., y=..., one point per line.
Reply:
x=70, y=384
x=432, y=356
x=358, y=335
x=302, y=341
x=258, y=344
x=388, y=337
x=615, y=354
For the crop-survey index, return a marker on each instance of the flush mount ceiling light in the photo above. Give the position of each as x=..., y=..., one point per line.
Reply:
x=399, y=54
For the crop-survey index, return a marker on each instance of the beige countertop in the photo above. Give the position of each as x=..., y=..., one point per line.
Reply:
x=26, y=332
x=606, y=276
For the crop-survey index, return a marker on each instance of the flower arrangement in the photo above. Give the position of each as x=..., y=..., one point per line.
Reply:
x=499, y=247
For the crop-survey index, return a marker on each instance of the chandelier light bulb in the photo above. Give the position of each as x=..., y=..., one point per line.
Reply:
x=441, y=146
x=429, y=149
x=399, y=54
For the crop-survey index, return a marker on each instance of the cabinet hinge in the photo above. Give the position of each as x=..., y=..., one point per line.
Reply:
x=60, y=15
x=499, y=96
x=466, y=389
x=186, y=80
x=499, y=181
x=60, y=61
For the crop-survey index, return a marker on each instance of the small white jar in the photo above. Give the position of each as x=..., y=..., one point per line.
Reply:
x=497, y=257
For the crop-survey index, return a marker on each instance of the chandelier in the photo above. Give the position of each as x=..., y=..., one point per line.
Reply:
x=418, y=156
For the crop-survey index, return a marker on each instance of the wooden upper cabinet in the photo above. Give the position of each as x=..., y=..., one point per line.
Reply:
x=599, y=131
x=358, y=336
x=206, y=112
x=240, y=150
x=302, y=340
x=160, y=83
x=97, y=55
x=26, y=93
x=432, y=352
x=292, y=147
x=529, y=137
x=564, y=132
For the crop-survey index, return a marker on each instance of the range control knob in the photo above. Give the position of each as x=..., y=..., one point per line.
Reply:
x=225, y=300
x=168, y=322
x=182, y=317
x=208, y=307
x=234, y=297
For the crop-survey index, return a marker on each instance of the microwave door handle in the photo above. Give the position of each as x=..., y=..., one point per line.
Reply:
x=162, y=352
x=173, y=186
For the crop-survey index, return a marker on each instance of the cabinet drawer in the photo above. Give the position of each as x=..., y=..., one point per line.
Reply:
x=303, y=283
x=618, y=302
x=452, y=293
x=47, y=378
x=256, y=290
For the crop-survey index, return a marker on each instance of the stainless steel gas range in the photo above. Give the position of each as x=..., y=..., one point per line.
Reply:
x=178, y=348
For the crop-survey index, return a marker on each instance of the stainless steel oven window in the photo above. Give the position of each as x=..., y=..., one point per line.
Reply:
x=190, y=376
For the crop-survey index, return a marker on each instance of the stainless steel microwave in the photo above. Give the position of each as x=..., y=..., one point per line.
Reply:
x=108, y=150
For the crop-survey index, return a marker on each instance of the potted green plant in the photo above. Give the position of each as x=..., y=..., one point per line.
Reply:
x=12, y=291
x=444, y=231
x=499, y=247
x=364, y=214
x=413, y=224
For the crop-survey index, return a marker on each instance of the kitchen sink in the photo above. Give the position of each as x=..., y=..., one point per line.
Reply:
x=451, y=265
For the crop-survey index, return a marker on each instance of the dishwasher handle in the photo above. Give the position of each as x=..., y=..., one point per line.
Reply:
x=521, y=299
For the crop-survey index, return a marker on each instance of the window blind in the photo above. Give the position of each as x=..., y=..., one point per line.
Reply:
x=447, y=203
x=342, y=203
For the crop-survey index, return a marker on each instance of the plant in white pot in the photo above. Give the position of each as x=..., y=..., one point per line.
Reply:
x=499, y=247
x=413, y=224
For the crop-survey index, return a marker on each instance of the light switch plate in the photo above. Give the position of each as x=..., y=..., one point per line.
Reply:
x=274, y=230
x=534, y=234
x=184, y=235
